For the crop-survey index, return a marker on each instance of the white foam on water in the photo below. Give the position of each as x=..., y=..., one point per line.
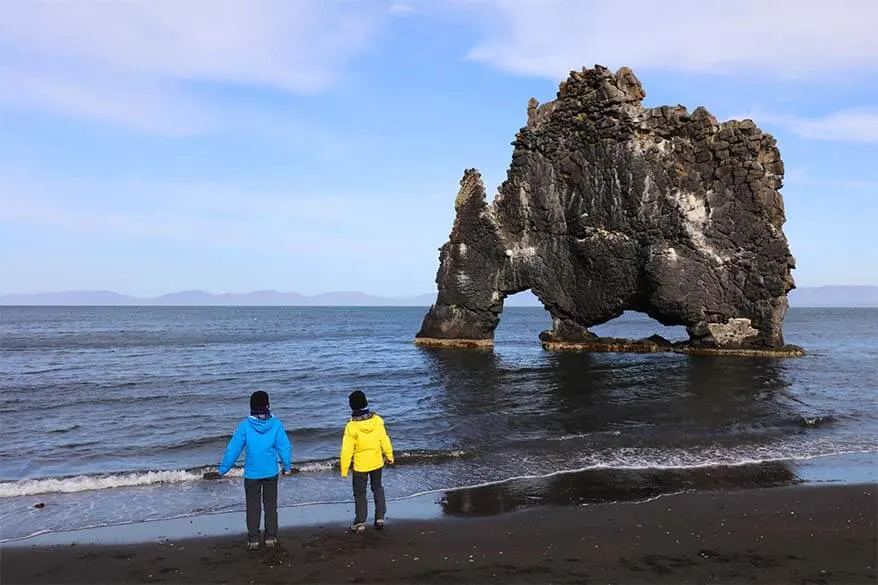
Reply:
x=194, y=514
x=622, y=458
x=612, y=460
x=682, y=458
x=25, y=537
x=316, y=466
x=82, y=483
x=638, y=466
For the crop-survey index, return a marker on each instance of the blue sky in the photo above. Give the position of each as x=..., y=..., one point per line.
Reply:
x=148, y=146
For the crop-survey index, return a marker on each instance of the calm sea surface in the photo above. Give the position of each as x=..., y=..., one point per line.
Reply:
x=111, y=414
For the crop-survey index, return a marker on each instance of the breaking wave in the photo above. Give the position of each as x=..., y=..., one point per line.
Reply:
x=82, y=483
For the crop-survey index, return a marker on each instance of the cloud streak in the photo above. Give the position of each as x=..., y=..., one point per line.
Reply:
x=858, y=125
x=802, y=177
x=145, y=63
x=213, y=215
x=789, y=38
x=138, y=234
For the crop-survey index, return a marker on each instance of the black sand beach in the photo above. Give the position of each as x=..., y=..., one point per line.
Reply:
x=792, y=534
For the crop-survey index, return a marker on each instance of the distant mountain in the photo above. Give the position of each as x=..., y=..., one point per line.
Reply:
x=348, y=298
x=187, y=297
x=821, y=296
x=269, y=297
x=203, y=298
x=834, y=296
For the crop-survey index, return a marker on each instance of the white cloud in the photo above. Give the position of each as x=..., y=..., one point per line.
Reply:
x=152, y=235
x=402, y=8
x=140, y=62
x=206, y=215
x=138, y=104
x=846, y=126
x=792, y=38
x=802, y=177
x=849, y=125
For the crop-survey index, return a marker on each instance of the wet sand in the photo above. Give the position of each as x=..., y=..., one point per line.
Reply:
x=792, y=534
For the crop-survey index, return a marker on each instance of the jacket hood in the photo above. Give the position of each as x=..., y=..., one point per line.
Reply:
x=261, y=426
x=367, y=425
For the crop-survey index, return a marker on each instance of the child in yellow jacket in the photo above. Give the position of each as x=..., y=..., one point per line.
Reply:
x=367, y=445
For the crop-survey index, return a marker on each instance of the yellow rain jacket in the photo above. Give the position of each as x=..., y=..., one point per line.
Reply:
x=365, y=442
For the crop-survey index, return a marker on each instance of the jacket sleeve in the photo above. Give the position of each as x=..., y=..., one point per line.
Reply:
x=347, y=451
x=233, y=450
x=386, y=445
x=284, y=448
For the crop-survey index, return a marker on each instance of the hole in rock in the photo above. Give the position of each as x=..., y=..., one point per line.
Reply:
x=634, y=325
x=521, y=321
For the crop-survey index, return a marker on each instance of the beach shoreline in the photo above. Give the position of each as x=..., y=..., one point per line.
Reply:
x=805, y=533
x=594, y=485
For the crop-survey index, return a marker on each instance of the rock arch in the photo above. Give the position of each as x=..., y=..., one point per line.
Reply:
x=609, y=206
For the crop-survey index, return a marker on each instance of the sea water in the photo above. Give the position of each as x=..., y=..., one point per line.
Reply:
x=111, y=415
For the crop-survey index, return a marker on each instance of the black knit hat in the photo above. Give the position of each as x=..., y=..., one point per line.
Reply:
x=357, y=400
x=259, y=400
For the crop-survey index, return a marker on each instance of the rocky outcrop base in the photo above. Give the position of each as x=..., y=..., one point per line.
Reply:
x=595, y=344
x=455, y=343
x=784, y=351
x=607, y=345
x=613, y=345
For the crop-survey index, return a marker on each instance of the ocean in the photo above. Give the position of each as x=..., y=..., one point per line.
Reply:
x=110, y=415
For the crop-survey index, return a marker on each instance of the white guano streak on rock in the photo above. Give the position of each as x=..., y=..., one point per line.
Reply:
x=525, y=200
x=602, y=232
x=695, y=219
x=521, y=253
x=490, y=213
x=640, y=146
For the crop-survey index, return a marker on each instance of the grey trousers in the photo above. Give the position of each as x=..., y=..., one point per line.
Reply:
x=261, y=492
x=361, y=505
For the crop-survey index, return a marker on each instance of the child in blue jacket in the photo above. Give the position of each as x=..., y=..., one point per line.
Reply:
x=265, y=440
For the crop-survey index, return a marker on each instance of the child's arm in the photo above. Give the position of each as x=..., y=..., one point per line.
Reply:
x=347, y=451
x=386, y=445
x=284, y=448
x=233, y=450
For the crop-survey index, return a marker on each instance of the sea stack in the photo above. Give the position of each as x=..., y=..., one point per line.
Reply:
x=609, y=206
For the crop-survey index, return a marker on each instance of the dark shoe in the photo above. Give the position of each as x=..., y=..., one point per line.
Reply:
x=270, y=542
x=358, y=527
x=252, y=544
x=379, y=523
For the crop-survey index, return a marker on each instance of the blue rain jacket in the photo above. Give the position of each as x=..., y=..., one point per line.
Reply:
x=265, y=442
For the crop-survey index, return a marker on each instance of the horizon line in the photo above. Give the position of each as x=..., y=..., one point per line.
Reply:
x=293, y=292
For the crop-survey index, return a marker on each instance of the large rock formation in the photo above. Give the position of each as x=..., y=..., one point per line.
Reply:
x=609, y=206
